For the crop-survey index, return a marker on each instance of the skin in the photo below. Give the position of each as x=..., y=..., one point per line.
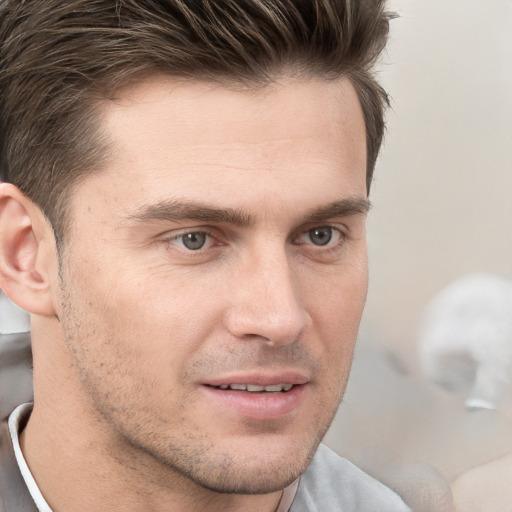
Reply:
x=485, y=488
x=130, y=325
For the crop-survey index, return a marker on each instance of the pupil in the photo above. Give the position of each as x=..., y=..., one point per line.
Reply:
x=321, y=236
x=194, y=241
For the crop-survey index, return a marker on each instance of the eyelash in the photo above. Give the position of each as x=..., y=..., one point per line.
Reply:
x=325, y=249
x=180, y=236
x=329, y=246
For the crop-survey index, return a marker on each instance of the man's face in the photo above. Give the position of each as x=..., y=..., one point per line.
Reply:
x=214, y=277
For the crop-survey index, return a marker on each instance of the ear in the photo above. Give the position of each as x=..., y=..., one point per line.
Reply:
x=28, y=256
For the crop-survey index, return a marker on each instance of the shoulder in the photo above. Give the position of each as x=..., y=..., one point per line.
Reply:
x=332, y=484
x=485, y=487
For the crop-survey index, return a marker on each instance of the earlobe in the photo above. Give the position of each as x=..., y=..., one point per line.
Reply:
x=25, y=259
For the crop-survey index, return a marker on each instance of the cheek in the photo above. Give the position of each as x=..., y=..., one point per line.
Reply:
x=160, y=320
x=336, y=310
x=337, y=300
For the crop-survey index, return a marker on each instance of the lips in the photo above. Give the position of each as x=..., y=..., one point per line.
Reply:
x=257, y=397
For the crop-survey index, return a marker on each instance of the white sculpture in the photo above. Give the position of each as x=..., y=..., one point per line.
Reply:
x=465, y=339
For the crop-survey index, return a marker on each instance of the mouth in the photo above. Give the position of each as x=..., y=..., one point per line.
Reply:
x=255, y=388
x=258, y=398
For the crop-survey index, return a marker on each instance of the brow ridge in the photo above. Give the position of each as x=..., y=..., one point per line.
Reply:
x=344, y=208
x=180, y=210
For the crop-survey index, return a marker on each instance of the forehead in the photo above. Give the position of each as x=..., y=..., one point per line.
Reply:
x=192, y=139
x=192, y=112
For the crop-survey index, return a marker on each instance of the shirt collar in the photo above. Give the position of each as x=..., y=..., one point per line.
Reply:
x=17, y=420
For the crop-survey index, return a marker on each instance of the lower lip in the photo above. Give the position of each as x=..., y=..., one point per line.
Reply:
x=258, y=406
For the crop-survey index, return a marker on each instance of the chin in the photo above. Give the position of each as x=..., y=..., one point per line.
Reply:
x=252, y=480
x=269, y=470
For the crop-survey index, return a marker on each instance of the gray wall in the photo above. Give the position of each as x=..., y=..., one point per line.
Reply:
x=442, y=207
x=443, y=189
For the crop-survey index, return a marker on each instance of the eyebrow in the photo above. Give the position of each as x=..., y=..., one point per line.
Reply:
x=344, y=208
x=177, y=210
x=180, y=210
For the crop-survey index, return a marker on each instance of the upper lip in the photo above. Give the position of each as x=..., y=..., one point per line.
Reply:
x=260, y=378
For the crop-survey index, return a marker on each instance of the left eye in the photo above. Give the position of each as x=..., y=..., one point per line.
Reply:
x=193, y=241
x=321, y=236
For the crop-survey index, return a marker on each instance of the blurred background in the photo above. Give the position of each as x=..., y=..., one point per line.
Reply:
x=443, y=188
x=442, y=210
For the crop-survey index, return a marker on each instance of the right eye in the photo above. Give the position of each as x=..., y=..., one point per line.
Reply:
x=193, y=240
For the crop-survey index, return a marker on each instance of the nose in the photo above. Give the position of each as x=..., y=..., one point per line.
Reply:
x=266, y=302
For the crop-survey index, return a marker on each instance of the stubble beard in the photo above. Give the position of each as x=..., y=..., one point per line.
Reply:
x=155, y=454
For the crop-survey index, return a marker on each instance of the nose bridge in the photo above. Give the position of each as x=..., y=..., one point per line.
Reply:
x=268, y=304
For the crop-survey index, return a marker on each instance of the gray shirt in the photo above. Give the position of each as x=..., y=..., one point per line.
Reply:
x=333, y=484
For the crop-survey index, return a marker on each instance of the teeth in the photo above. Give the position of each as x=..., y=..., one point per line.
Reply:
x=253, y=388
x=277, y=387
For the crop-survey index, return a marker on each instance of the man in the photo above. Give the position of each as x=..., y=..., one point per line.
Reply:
x=183, y=215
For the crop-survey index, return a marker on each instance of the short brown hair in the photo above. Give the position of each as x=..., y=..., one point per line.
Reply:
x=60, y=58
